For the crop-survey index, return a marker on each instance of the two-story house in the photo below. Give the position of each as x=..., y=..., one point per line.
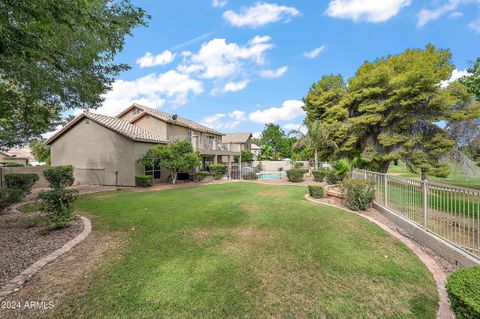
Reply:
x=104, y=150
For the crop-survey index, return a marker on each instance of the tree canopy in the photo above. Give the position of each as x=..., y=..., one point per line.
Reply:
x=472, y=82
x=174, y=157
x=40, y=151
x=274, y=143
x=391, y=107
x=57, y=55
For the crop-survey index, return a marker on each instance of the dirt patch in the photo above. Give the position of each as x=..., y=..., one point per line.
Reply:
x=273, y=192
x=68, y=275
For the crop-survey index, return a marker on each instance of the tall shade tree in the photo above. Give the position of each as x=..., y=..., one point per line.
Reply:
x=175, y=157
x=472, y=82
x=57, y=55
x=41, y=151
x=317, y=138
x=274, y=143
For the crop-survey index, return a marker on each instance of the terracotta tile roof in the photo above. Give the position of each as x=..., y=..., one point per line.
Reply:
x=164, y=116
x=236, y=137
x=115, y=124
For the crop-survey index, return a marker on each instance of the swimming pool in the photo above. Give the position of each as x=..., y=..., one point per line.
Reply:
x=268, y=176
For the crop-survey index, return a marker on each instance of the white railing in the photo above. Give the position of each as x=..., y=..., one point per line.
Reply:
x=450, y=212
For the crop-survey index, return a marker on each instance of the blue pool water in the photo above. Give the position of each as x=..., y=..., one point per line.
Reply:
x=271, y=176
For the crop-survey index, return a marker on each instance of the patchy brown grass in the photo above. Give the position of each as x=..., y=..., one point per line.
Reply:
x=277, y=192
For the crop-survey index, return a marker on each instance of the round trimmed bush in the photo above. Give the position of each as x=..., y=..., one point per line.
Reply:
x=22, y=181
x=143, y=181
x=316, y=191
x=359, y=193
x=10, y=196
x=319, y=175
x=58, y=204
x=200, y=175
x=218, y=171
x=59, y=176
x=295, y=175
x=463, y=287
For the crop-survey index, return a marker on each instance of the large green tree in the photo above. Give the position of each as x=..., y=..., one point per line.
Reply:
x=57, y=55
x=175, y=157
x=392, y=107
x=274, y=143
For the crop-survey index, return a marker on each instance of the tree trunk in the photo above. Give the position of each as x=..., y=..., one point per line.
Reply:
x=316, y=158
x=384, y=166
x=174, y=177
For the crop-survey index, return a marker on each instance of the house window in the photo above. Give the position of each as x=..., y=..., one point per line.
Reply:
x=153, y=171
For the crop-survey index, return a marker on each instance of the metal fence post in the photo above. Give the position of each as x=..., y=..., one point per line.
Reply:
x=425, y=202
x=385, y=190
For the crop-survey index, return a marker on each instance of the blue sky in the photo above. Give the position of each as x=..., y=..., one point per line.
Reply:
x=235, y=65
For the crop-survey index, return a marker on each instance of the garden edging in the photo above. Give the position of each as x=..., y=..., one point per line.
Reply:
x=16, y=283
x=437, y=272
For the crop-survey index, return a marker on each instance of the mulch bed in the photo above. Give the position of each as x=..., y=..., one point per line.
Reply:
x=447, y=266
x=23, y=241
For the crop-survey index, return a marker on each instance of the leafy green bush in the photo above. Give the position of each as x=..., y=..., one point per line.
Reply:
x=58, y=204
x=331, y=178
x=13, y=164
x=200, y=175
x=218, y=171
x=295, y=175
x=60, y=176
x=316, y=191
x=143, y=181
x=442, y=171
x=22, y=181
x=478, y=163
x=9, y=196
x=250, y=176
x=319, y=175
x=298, y=165
x=463, y=287
x=359, y=193
x=342, y=168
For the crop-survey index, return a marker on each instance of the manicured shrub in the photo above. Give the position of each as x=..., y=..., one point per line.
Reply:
x=22, y=181
x=218, y=171
x=9, y=196
x=463, y=287
x=12, y=164
x=316, y=191
x=319, y=175
x=342, y=168
x=58, y=204
x=442, y=171
x=331, y=178
x=250, y=176
x=200, y=175
x=143, y=181
x=359, y=193
x=295, y=175
x=60, y=176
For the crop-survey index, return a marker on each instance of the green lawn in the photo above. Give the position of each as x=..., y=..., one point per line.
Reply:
x=244, y=250
x=456, y=177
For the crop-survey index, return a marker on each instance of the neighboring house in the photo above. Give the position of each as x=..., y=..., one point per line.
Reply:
x=16, y=155
x=104, y=150
x=255, y=151
x=238, y=141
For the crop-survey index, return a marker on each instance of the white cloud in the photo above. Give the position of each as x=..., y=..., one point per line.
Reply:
x=259, y=14
x=456, y=74
x=219, y=59
x=475, y=26
x=219, y=3
x=149, y=60
x=270, y=74
x=427, y=15
x=289, y=110
x=366, y=10
x=315, y=52
x=221, y=121
x=153, y=90
x=235, y=86
x=257, y=134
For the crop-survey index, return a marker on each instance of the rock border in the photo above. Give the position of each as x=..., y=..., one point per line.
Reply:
x=17, y=283
x=437, y=272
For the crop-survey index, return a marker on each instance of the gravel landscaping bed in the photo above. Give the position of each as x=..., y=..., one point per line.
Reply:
x=23, y=241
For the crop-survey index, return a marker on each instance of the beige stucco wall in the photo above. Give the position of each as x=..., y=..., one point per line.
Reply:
x=134, y=112
x=5, y=159
x=99, y=155
x=153, y=124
